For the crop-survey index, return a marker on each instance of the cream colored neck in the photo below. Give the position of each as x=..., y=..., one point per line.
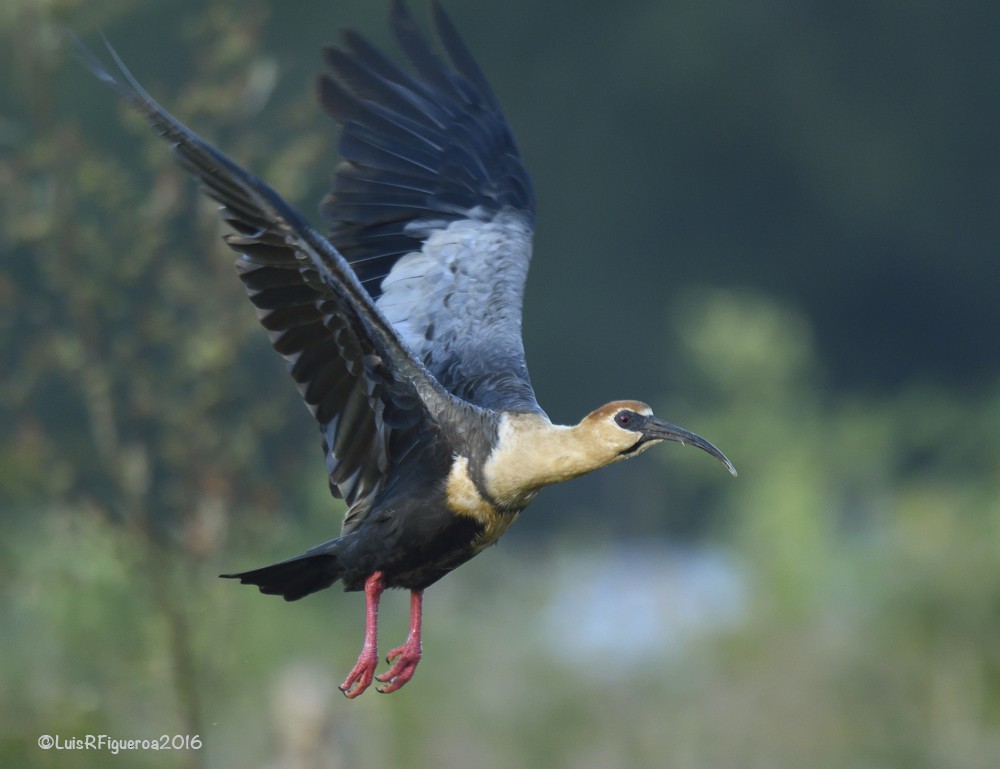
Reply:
x=532, y=453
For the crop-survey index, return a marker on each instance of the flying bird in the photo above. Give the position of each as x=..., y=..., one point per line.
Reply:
x=401, y=325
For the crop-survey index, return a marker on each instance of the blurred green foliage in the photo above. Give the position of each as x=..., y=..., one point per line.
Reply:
x=799, y=191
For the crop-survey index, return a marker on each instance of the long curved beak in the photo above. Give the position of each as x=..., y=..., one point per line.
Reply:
x=658, y=430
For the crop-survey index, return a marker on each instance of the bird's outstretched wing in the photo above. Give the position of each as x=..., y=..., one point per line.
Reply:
x=370, y=395
x=433, y=208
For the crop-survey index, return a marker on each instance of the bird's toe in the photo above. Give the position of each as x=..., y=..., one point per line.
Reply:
x=361, y=676
x=404, y=661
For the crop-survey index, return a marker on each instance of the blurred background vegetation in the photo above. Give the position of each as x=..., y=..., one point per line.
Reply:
x=776, y=222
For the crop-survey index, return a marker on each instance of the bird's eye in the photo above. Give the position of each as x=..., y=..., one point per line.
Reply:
x=623, y=418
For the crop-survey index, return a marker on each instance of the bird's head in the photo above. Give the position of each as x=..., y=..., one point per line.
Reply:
x=624, y=429
x=532, y=452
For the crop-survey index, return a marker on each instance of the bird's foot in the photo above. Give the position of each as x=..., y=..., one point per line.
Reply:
x=404, y=661
x=360, y=677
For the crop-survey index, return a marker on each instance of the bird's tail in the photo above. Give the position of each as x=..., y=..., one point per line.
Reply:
x=296, y=577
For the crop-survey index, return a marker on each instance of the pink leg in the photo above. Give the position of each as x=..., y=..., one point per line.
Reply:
x=409, y=653
x=360, y=678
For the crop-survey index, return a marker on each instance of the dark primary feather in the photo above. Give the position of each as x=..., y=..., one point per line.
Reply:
x=362, y=384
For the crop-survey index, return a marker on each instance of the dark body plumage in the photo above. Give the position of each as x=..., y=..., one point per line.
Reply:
x=411, y=536
x=402, y=327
